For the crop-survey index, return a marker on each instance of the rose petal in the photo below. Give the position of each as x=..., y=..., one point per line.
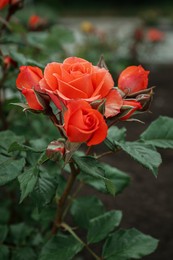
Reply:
x=113, y=103
x=49, y=74
x=31, y=98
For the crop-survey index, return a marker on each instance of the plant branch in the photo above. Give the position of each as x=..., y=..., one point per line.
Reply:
x=69, y=229
x=63, y=198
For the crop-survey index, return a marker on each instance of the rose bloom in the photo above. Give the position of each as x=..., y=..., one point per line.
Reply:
x=133, y=79
x=84, y=124
x=77, y=78
x=26, y=81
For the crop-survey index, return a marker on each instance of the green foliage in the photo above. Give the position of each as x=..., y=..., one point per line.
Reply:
x=27, y=182
x=86, y=208
x=60, y=247
x=142, y=152
x=10, y=168
x=128, y=244
x=119, y=179
x=101, y=226
x=159, y=133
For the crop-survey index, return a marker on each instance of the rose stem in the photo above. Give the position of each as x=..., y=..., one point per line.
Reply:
x=62, y=200
x=69, y=229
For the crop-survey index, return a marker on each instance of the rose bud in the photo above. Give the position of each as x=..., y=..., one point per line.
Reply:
x=9, y=62
x=133, y=79
x=27, y=80
x=84, y=124
x=56, y=150
x=36, y=22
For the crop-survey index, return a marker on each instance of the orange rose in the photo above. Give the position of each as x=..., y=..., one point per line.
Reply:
x=26, y=81
x=133, y=79
x=76, y=78
x=84, y=124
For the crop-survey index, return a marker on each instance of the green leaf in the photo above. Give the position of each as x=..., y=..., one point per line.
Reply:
x=8, y=137
x=119, y=179
x=115, y=135
x=159, y=133
x=90, y=166
x=23, y=253
x=21, y=147
x=144, y=154
x=45, y=189
x=20, y=232
x=128, y=244
x=10, y=169
x=27, y=181
x=101, y=226
x=4, y=252
x=60, y=247
x=85, y=208
x=3, y=232
x=4, y=215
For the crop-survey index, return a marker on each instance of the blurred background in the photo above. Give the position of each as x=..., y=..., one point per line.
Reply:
x=125, y=33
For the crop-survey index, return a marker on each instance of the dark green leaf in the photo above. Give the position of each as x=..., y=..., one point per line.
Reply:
x=8, y=137
x=21, y=147
x=3, y=232
x=159, y=133
x=119, y=179
x=128, y=244
x=10, y=169
x=4, y=215
x=20, y=232
x=27, y=181
x=24, y=253
x=115, y=135
x=143, y=154
x=101, y=226
x=85, y=208
x=90, y=166
x=45, y=189
x=60, y=247
x=4, y=252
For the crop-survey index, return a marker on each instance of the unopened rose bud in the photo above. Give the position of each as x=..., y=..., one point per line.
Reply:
x=56, y=150
x=133, y=79
x=28, y=80
x=9, y=62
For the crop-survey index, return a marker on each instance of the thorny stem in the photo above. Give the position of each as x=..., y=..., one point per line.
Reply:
x=69, y=229
x=72, y=198
x=63, y=199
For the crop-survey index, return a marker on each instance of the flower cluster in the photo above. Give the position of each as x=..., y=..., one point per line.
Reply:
x=85, y=95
